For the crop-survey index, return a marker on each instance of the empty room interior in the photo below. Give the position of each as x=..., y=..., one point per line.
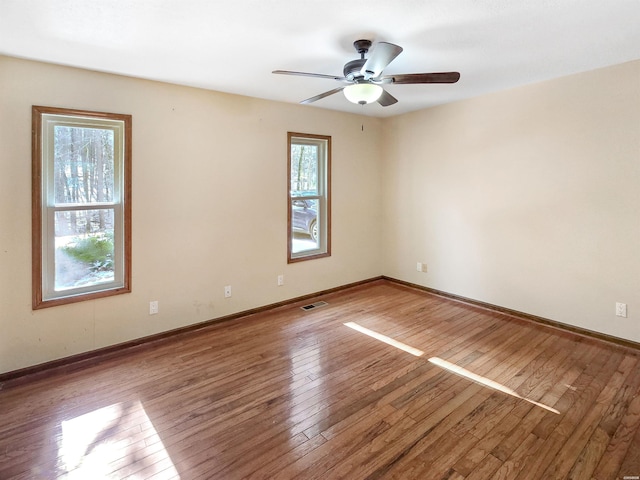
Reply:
x=306, y=280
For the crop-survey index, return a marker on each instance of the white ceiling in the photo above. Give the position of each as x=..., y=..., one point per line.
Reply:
x=232, y=46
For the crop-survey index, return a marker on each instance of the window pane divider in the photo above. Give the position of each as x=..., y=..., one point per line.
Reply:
x=307, y=197
x=83, y=206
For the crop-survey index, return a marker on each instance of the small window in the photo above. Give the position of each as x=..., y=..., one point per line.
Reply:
x=309, y=209
x=81, y=205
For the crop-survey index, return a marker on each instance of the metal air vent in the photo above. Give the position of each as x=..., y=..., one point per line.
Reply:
x=311, y=306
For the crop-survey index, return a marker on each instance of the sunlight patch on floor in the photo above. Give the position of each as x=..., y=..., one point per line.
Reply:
x=385, y=339
x=106, y=443
x=463, y=372
x=451, y=367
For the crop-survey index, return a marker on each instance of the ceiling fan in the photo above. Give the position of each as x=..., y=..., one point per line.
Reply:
x=364, y=77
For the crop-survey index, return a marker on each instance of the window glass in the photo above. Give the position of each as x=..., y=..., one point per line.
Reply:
x=308, y=189
x=304, y=169
x=84, y=249
x=83, y=164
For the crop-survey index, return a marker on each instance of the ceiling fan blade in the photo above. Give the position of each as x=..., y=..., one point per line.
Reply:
x=406, y=78
x=305, y=74
x=387, y=99
x=322, y=95
x=382, y=55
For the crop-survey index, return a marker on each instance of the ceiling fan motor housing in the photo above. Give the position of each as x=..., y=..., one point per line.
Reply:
x=352, y=69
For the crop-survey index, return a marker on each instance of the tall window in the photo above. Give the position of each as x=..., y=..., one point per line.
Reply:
x=81, y=205
x=309, y=218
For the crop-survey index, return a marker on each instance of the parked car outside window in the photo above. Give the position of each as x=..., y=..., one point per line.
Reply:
x=305, y=218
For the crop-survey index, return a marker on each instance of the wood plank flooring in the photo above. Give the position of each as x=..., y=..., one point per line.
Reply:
x=291, y=394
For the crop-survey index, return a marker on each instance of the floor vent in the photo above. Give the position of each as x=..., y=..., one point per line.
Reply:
x=311, y=306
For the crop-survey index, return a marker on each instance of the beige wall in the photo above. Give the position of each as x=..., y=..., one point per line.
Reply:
x=528, y=198
x=209, y=207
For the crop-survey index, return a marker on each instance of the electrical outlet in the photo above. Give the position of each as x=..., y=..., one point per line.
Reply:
x=227, y=291
x=153, y=307
x=621, y=310
x=419, y=267
x=280, y=280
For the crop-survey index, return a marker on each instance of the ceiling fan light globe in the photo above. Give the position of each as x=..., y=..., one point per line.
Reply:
x=362, y=93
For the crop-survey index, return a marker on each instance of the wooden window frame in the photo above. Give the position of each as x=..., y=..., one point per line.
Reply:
x=40, y=209
x=324, y=197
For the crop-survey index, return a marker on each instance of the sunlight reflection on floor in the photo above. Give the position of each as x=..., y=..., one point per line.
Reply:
x=451, y=367
x=112, y=442
x=385, y=339
x=485, y=381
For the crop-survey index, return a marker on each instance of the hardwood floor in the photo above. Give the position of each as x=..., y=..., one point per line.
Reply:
x=442, y=390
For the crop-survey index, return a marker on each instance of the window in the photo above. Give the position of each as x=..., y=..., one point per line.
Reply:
x=81, y=205
x=309, y=179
